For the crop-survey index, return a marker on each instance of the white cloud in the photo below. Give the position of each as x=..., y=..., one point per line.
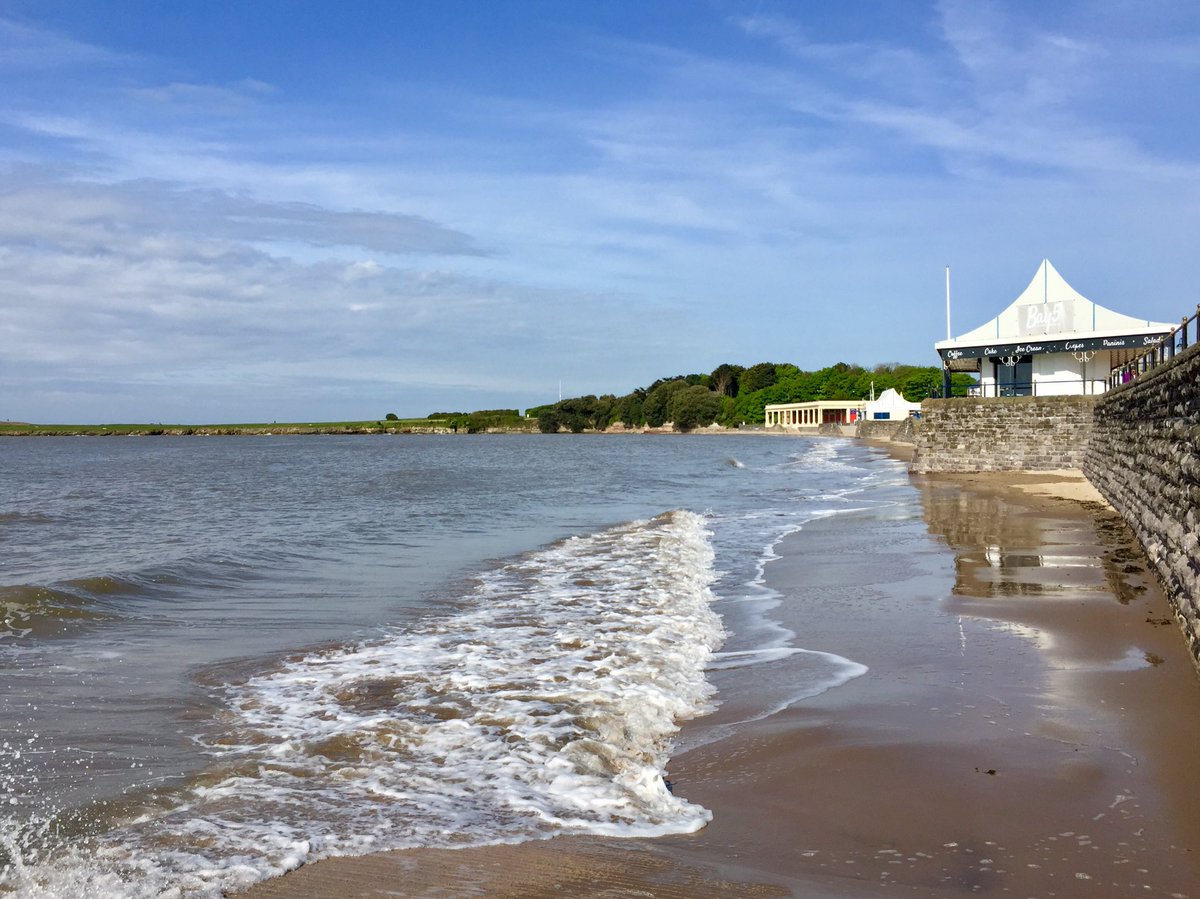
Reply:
x=207, y=99
x=142, y=283
x=26, y=47
x=37, y=207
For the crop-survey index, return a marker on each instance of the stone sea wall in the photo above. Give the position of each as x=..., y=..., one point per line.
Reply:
x=877, y=430
x=1021, y=433
x=1144, y=456
x=900, y=430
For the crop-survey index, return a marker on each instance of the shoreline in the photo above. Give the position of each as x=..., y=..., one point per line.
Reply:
x=1026, y=727
x=20, y=429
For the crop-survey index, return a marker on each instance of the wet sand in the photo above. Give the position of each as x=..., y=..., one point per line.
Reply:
x=1027, y=728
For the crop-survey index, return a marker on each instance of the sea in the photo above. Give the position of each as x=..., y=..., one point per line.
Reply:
x=225, y=657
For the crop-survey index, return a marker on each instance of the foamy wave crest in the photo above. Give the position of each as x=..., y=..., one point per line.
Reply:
x=547, y=706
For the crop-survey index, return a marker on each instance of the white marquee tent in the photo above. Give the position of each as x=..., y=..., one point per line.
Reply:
x=890, y=406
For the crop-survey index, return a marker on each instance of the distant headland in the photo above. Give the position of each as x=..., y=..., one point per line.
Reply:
x=382, y=426
x=730, y=397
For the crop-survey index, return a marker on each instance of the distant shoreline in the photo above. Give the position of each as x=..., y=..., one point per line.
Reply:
x=203, y=430
x=257, y=429
x=23, y=429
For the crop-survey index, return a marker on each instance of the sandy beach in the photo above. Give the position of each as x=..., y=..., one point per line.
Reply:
x=1026, y=728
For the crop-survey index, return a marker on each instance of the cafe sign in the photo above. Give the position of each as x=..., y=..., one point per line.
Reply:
x=1034, y=348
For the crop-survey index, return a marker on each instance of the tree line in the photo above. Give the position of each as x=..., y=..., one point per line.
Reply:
x=731, y=395
x=481, y=420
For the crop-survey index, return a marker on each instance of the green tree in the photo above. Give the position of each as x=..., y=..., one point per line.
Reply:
x=580, y=408
x=756, y=377
x=728, y=414
x=628, y=409
x=693, y=407
x=654, y=408
x=756, y=387
x=604, y=411
x=724, y=379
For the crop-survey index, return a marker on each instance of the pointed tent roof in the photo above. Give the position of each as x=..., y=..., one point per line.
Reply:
x=1047, y=314
x=891, y=400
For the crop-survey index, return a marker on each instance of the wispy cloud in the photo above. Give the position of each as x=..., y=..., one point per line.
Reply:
x=209, y=99
x=140, y=281
x=1006, y=93
x=26, y=47
x=74, y=214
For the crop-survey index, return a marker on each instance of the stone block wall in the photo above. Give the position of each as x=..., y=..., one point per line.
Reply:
x=877, y=430
x=1020, y=433
x=900, y=430
x=1144, y=456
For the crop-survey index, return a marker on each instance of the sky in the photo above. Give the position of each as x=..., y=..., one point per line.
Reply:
x=218, y=211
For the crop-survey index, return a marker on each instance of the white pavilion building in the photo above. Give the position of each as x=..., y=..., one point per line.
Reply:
x=1050, y=341
x=810, y=416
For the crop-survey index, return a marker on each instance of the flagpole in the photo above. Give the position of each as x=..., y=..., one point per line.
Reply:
x=946, y=392
x=948, y=336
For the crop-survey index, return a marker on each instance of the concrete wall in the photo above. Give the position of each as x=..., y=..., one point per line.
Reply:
x=1003, y=434
x=1144, y=456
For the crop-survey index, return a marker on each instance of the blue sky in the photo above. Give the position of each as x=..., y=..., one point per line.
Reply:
x=227, y=211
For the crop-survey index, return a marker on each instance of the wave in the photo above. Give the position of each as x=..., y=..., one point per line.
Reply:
x=548, y=705
x=62, y=607
x=37, y=611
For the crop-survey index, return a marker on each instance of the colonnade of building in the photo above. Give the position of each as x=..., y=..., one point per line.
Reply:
x=812, y=414
x=793, y=418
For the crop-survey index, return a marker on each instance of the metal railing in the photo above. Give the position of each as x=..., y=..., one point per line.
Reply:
x=1088, y=386
x=1082, y=386
x=1162, y=351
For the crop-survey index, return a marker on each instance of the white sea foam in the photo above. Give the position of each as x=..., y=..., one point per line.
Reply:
x=547, y=705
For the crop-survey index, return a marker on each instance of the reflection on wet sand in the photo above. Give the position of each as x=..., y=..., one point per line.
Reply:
x=1004, y=548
